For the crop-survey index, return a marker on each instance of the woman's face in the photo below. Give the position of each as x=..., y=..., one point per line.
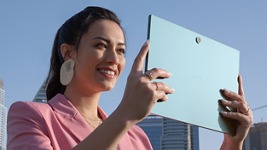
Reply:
x=100, y=57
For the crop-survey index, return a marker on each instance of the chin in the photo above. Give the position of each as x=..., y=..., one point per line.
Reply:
x=108, y=87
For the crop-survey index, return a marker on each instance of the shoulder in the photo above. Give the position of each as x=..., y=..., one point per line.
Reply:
x=27, y=108
x=25, y=124
x=25, y=111
x=19, y=104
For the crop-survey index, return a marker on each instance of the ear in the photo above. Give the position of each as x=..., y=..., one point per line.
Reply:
x=66, y=51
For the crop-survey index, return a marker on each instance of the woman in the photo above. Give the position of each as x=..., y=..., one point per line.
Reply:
x=87, y=59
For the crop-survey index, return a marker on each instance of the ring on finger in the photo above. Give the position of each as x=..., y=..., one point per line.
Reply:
x=156, y=85
x=247, y=111
x=149, y=75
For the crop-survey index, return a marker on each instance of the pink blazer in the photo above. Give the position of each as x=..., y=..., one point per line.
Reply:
x=58, y=126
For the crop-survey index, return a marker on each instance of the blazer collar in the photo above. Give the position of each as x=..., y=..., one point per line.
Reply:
x=70, y=117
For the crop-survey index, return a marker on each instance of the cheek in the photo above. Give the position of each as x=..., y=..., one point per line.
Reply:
x=90, y=58
x=86, y=62
x=123, y=62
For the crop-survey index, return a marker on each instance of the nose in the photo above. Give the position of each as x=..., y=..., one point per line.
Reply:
x=112, y=57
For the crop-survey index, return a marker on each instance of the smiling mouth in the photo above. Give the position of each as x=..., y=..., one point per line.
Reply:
x=108, y=72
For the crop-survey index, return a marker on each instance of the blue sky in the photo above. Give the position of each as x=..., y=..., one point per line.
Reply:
x=27, y=30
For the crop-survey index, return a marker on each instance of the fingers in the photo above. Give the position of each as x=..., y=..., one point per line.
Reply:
x=240, y=86
x=234, y=97
x=159, y=86
x=243, y=115
x=240, y=106
x=161, y=91
x=237, y=101
x=245, y=119
x=157, y=73
x=139, y=60
x=140, y=91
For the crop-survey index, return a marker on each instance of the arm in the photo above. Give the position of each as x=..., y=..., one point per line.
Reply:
x=243, y=116
x=140, y=96
x=26, y=127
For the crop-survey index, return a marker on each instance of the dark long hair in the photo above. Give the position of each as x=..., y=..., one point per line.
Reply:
x=70, y=33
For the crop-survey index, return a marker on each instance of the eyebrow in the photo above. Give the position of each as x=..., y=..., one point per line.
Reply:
x=106, y=40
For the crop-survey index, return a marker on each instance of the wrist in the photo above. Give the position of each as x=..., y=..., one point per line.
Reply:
x=123, y=118
x=230, y=144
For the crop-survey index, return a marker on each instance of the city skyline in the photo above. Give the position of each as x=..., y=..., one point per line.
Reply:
x=168, y=134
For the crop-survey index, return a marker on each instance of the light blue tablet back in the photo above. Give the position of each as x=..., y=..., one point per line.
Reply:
x=200, y=68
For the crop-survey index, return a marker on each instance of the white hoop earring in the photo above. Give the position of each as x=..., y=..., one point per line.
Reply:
x=66, y=72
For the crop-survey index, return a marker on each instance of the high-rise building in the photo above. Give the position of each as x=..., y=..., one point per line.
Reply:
x=41, y=95
x=3, y=117
x=257, y=137
x=179, y=136
x=168, y=134
x=153, y=126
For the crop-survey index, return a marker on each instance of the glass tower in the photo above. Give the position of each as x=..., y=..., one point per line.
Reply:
x=3, y=117
x=152, y=125
x=257, y=137
x=179, y=136
x=168, y=134
x=41, y=95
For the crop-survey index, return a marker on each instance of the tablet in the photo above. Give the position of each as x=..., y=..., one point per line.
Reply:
x=200, y=67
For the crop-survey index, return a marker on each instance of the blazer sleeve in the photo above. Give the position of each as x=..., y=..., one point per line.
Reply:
x=26, y=128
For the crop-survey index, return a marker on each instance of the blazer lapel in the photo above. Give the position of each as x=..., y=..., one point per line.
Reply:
x=73, y=121
x=70, y=118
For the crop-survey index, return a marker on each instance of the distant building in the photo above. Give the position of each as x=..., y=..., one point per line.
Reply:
x=3, y=117
x=168, y=134
x=257, y=137
x=153, y=126
x=179, y=136
x=41, y=95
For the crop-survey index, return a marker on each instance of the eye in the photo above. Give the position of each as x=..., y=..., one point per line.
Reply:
x=121, y=51
x=101, y=46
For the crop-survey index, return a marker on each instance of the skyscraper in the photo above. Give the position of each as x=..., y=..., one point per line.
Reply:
x=41, y=95
x=3, y=116
x=168, y=134
x=179, y=136
x=257, y=137
x=153, y=126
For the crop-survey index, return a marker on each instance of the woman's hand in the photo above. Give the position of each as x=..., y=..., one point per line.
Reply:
x=141, y=94
x=243, y=115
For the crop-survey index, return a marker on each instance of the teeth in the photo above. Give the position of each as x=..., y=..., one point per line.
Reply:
x=108, y=72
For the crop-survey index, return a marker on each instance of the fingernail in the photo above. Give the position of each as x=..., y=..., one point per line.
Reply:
x=160, y=101
x=223, y=112
x=226, y=91
x=173, y=90
x=224, y=101
x=146, y=43
x=170, y=74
